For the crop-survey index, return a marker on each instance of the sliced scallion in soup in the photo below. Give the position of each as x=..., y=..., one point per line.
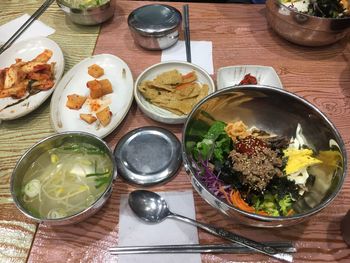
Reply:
x=66, y=180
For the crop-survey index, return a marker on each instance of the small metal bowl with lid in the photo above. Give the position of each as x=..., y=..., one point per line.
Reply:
x=155, y=26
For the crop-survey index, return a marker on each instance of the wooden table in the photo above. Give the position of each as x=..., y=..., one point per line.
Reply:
x=240, y=35
x=17, y=232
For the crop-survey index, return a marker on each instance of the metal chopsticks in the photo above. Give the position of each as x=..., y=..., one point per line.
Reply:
x=26, y=24
x=186, y=25
x=286, y=247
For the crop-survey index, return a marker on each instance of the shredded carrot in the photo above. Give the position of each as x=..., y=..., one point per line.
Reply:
x=184, y=85
x=238, y=201
x=188, y=75
x=222, y=190
x=235, y=198
x=290, y=212
x=263, y=213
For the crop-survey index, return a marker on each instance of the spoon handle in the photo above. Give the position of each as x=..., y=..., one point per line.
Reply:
x=260, y=247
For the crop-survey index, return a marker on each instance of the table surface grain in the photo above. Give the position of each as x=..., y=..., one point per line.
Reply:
x=240, y=36
x=17, y=232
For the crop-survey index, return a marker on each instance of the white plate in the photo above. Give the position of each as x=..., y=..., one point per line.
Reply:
x=157, y=113
x=74, y=81
x=27, y=50
x=232, y=75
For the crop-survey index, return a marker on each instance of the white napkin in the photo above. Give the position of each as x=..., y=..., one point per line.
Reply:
x=201, y=54
x=36, y=29
x=135, y=232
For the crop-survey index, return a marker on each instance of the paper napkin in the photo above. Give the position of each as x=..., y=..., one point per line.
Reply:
x=36, y=29
x=201, y=54
x=135, y=232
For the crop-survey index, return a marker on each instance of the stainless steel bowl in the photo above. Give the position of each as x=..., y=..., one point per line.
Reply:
x=155, y=26
x=276, y=111
x=89, y=16
x=304, y=29
x=44, y=145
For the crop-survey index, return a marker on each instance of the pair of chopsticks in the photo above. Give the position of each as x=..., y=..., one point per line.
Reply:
x=286, y=247
x=186, y=27
x=26, y=24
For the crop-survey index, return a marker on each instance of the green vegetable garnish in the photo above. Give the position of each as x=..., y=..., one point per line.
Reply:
x=79, y=148
x=101, y=181
x=272, y=205
x=285, y=204
x=101, y=177
x=98, y=174
x=216, y=143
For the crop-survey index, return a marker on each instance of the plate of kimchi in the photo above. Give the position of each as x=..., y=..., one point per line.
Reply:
x=29, y=72
x=247, y=75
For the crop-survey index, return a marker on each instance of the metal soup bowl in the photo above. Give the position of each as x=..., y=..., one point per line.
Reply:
x=88, y=16
x=276, y=111
x=305, y=29
x=44, y=145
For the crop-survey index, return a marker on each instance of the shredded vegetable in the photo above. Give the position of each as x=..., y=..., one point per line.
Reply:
x=255, y=171
x=320, y=8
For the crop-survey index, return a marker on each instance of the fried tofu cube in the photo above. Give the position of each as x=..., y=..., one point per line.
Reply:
x=75, y=101
x=95, y=71
x=95, y=89
x=104, y=116
x=106, y=86
x=89, y=118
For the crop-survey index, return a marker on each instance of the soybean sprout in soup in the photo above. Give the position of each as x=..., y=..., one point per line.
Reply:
x=66, y=180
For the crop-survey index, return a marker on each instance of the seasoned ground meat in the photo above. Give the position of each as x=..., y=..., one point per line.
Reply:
x=257, y=169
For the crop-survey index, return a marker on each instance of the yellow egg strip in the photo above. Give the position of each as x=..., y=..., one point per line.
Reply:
x=299, y=159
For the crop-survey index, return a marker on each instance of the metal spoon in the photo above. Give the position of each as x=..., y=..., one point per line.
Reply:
x=151, y=207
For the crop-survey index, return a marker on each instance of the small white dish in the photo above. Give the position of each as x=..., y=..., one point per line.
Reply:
x=232, y=75
x=74, y=81
x=156, y=113
x=28, y=50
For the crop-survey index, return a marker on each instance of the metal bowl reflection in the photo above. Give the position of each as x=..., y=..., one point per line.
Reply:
x=276, y=111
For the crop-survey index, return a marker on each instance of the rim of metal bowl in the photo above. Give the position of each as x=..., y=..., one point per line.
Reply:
x=64, y=5
x=312, y=211
x=307, y=15
x=28, y=151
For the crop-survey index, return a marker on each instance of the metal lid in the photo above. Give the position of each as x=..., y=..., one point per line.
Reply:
x=148, y=155
x=154, y=19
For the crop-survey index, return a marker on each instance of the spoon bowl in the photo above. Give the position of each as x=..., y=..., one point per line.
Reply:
x=151, y=207
x=148, y=206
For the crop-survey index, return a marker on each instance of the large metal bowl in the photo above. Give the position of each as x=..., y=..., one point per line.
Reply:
x=304, y=29
x=44, y=145
x=88, y=16
x=276, y=111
